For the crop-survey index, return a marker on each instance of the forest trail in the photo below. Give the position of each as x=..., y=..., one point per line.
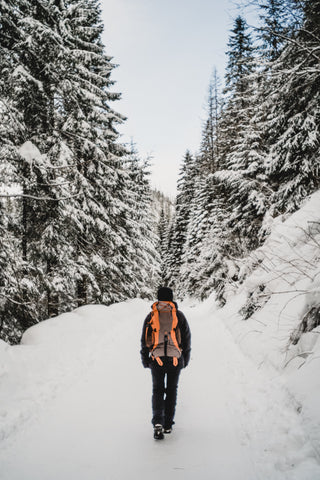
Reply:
x=232, y=422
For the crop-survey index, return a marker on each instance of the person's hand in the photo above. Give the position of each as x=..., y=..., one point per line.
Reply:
x=146, y=363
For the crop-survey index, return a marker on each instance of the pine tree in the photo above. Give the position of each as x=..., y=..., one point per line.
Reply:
x=211, y=241
x=10, y=284
x=4, y=274
x=213, y=262
x=238, y=89
x=170, y=273
x=202, y=203
x=240, y=163
x=247, y=183
x=32, y=44
x=274, y=29
x=163, y=234
x=72, y=223
x=85, y=124
x=182, y=215
x=99, y=215
x=164, y=212
x=267, y=148
x=293, y=160
x=209, y=148
x=249, y=189
x=195, y=229
x=141, y=229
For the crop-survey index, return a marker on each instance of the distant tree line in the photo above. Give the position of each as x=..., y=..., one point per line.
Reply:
x=259, y=156
x=76, y=224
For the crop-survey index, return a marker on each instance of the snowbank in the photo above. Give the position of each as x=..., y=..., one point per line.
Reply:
x=52, y=355
x=284, y=285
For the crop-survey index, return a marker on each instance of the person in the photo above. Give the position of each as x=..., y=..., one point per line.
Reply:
x=165, y=349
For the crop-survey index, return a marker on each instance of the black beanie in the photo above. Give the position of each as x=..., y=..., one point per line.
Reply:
x=165, y=294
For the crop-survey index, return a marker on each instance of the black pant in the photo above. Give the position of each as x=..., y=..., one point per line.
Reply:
x=164, y=393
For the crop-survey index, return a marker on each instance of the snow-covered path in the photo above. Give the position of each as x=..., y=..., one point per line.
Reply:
x=232, y=422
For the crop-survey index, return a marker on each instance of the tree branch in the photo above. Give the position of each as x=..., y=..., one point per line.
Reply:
x=32, y=197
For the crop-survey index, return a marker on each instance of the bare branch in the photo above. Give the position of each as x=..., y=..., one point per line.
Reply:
x=14, y=301
x=291, y=40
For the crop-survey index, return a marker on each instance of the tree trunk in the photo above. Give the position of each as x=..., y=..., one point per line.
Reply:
x=82, y=292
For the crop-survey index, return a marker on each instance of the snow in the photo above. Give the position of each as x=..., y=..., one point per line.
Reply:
x=76, y=403
x=20, y=71
x=30, y=153
x=288, y=267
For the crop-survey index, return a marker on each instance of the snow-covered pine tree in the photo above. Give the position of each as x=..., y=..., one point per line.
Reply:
x=163, y=230
x=4, y=271
x=141, y=229
x=239, y=176
x=274, y=28
x=238, y=91
x=169, y=259
x=197, y=228
x=209, y=148
x=30, y=81
x=182, y=216
x=11, y=127
x=211, y=242
x=97, y=227
x=204, y=201
x=250, y=194
x=60, y=150
x=206, y=248
x=163, y=212
x=212, y=263
x=293, y=161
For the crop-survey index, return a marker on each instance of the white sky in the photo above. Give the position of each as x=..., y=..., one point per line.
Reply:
x=166, y=51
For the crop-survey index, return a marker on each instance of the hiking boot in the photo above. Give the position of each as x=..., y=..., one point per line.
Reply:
x=158, y=432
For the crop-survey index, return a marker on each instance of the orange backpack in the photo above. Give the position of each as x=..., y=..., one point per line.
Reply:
x=163, y=335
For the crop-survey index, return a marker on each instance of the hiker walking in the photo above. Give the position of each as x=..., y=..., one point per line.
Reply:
x=165, y=348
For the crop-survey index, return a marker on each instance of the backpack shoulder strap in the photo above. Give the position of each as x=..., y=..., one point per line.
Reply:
x=155, y=325
x=174, y=326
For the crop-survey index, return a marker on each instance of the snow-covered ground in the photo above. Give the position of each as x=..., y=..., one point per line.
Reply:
x=285, y=284
x=76, y=404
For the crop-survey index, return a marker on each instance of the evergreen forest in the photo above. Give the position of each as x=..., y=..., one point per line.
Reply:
x=259, y=157
x=79, y=221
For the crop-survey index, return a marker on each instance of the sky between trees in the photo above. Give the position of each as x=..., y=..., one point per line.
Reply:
x=166, y=52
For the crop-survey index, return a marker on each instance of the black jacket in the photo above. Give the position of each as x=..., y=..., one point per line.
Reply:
x=185, y=340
